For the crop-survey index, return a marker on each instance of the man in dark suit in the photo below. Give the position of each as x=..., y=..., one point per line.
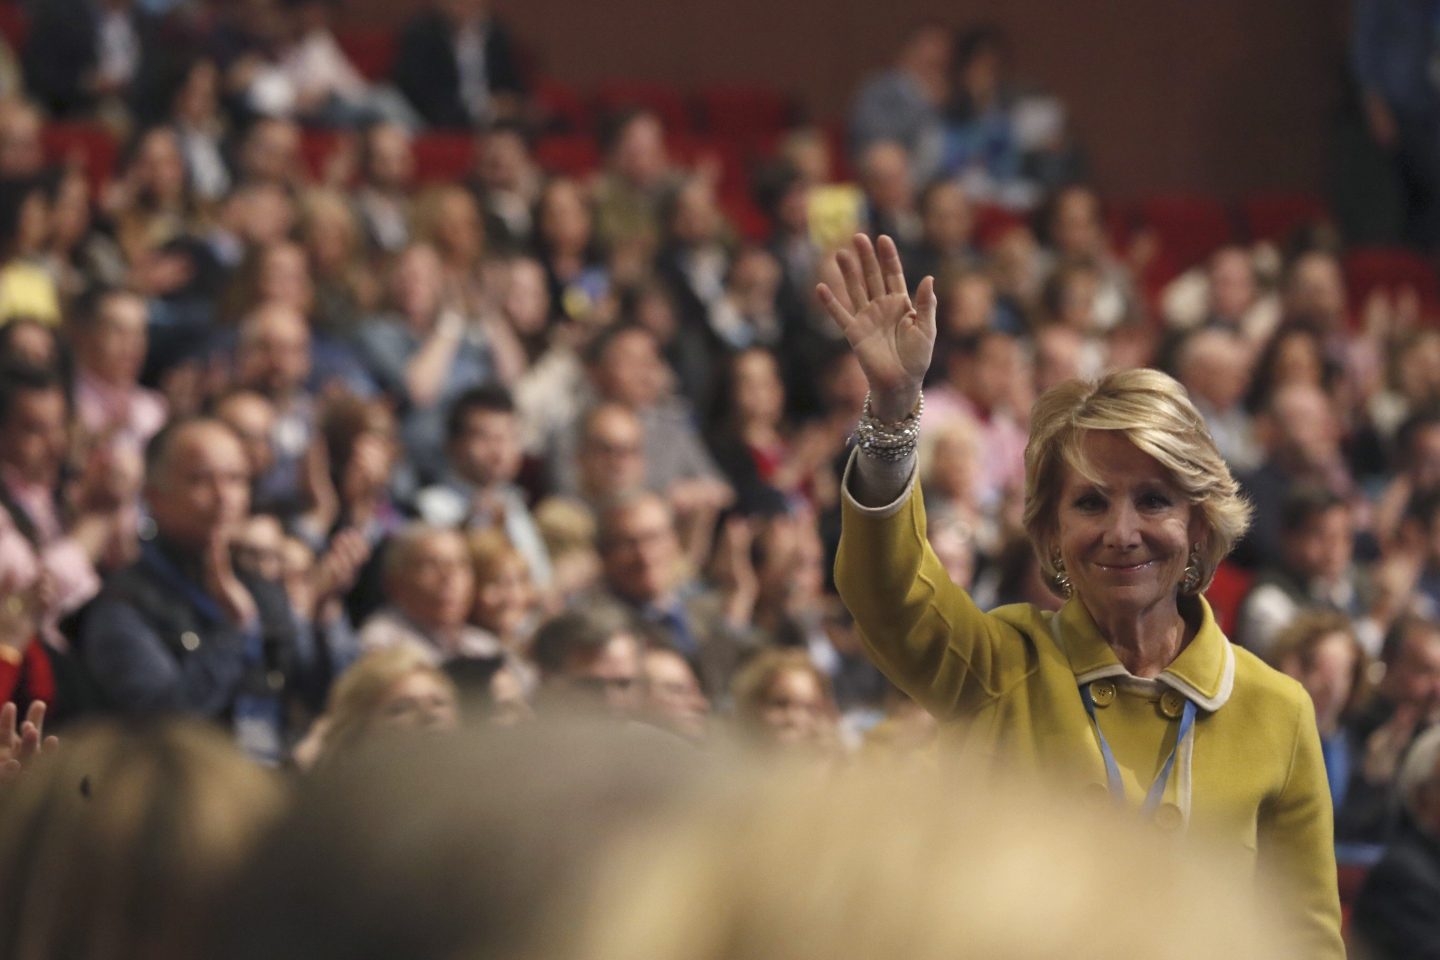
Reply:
x=181, y=630
x=83, y=54
x=457, y=67
x=1397, y=915
x=643, y=573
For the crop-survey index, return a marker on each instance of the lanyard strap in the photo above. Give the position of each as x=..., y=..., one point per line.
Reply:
x=204, y=604
x=1112, y=769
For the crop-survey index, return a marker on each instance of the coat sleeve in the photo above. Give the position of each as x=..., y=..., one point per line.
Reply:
x=921, y=630
x=1296, y=843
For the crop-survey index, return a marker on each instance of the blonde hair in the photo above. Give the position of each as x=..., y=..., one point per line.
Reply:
x=124, y=840
x=430, y=211
x=753, y=682
x=566, y=525
x=1153, y=412
x=490, y=550
x=915, y=866
x=358, y=693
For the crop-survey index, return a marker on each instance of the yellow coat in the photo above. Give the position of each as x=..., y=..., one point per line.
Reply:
x=1006, y=684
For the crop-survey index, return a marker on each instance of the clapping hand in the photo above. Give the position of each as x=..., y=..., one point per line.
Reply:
x=23, y=743
x=893, y=337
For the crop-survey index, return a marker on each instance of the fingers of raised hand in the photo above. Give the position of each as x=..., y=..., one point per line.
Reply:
x=891, y=271
x=8, y=734
x=870, y=266
x=36, y=714
x=851, y=272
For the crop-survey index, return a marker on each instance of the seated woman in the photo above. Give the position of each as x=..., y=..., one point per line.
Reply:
x=1131, y=689
x=783, y=703
x=398, y=688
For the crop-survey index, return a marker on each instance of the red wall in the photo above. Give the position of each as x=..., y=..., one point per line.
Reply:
x=1220, y=96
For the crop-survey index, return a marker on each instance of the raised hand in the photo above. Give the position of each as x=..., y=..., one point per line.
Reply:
x=22, y=743
x=893, y=337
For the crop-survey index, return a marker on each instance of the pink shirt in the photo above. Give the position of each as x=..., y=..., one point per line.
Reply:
x=129, y=416
x=1001, y=441
x=71, y=573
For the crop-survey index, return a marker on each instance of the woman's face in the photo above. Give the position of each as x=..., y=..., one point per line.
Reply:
x=955, y=467
x=759, y=395
x=793, y=709
x=1298, y=360
x=159, y=168
x=70, y=213
x=416, y=282
x=1330, y=678
x=505, y=599
x=285, y=277
x=457, y=227
x=419, y=701
x=330, y=237
x=527, y=300
x=564, y=219
x=115, y=349
x=1125, y=536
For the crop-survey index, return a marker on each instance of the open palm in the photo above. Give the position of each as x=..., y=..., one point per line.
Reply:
x=893, y=337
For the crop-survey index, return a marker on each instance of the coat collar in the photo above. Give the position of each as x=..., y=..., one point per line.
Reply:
x=1204, y=672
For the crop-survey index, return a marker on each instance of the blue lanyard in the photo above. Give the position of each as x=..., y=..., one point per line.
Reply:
x=1112, y=769
x=204, y=604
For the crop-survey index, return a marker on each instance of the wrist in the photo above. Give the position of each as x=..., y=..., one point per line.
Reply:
x=893, y=405
x=890, y=440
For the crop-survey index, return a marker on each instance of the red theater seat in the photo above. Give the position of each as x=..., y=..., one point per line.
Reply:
x=1189, y=227
x=1368, y=269
x=1229, y=587
x=14, y=25
x=992, y=223
x=745, y=114
x=568, y=154
x=316, y=148
x=1274, y=216
x=92, y=144
x=563, y=108
x=616, y=95
x=371, y=50
x=443, y=156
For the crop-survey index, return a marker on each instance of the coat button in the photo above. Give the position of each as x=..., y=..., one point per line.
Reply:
x=1102, y=692
x=1169, y=817
x=190, y=640
x=1172, y=703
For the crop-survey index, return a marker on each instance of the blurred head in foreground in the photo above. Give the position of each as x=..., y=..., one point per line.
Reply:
x=122, y=842
x=860, y=867
x=572, y=843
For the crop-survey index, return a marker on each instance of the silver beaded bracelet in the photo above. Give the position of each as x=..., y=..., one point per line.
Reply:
x=891, y=442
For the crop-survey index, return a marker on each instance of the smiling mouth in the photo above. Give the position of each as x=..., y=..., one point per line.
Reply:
x=1125, y=568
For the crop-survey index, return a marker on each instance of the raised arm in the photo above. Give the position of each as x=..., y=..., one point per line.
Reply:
x=922, y=630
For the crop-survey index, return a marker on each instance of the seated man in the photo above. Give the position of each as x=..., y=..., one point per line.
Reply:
x=671, y=693
x=181, y=630
x=429, y=590
x=610, y=457
x=48, y=555
x=1316, y=571
x=483, y=458
x=643, y=570
x=1406, y=704
x=589, y=661
x=1395, y=914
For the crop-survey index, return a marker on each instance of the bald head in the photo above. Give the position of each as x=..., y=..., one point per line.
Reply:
x=197, y=482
